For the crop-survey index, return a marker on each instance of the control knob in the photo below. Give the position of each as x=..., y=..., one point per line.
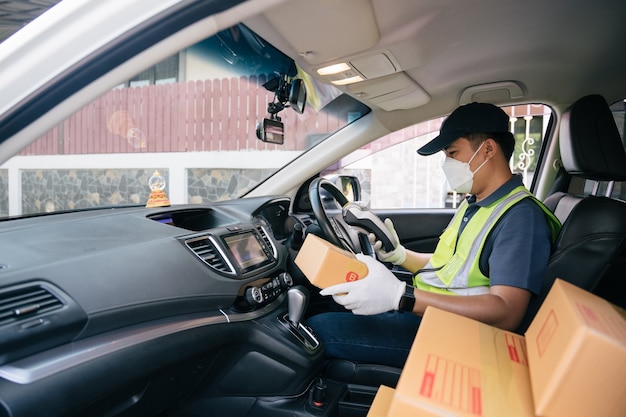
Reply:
x=254, y=295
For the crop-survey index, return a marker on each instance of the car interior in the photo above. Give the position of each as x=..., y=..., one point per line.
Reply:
x=194, y=305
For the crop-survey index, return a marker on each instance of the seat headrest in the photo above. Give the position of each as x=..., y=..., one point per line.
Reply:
x=591, y=146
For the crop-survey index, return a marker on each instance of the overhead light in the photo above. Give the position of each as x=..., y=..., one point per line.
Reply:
x=341, y=74
x=334, y=69
x=350, y=80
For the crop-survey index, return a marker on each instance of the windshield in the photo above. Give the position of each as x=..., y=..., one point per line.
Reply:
x=189, y=123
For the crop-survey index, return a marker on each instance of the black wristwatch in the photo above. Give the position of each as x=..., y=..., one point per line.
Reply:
x=407, y=301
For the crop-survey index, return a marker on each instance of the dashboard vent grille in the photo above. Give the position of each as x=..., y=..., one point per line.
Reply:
x=26, y=302
x=206, y=250
x=267, y=240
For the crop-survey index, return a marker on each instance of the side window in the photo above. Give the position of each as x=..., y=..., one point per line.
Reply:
x=393, y=175
x=619, y=111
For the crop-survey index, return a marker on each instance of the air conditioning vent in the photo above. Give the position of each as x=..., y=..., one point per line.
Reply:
x=206, y=250
x=26, y=302
x=266, y=239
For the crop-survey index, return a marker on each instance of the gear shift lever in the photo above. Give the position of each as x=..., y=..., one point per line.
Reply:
x=297, y=301
x=298, y=298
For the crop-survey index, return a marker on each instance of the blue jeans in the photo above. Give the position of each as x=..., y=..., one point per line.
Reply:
x=383, y=339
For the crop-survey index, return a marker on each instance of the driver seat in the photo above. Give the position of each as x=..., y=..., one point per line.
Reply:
x=590, y=250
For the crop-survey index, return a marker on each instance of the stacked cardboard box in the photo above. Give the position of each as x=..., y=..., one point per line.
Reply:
x=577, y=354
x=571, y=362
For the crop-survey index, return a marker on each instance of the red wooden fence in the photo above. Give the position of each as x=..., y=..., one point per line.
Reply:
x=212, y=115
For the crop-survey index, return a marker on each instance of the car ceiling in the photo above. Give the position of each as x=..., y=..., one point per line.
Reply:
x=555, y=51
x=420, y=57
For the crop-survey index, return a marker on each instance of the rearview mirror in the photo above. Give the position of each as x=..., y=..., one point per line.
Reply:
x=297, y=95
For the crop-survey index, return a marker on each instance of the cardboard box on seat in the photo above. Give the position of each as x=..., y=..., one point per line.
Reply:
x=324, y=264
x=461, y=367
x=570, y=363
x=577, y=353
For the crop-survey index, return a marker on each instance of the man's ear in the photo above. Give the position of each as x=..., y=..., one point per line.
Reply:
x=491, y=148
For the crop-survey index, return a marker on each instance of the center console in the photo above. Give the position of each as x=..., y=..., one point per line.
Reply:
x=274, y=363
x=240, y=251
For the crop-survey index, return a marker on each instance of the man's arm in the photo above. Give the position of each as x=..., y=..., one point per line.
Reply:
x=503, y=307
x=381, y=291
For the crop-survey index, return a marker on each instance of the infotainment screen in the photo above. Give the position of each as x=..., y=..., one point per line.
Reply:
x=246, y=250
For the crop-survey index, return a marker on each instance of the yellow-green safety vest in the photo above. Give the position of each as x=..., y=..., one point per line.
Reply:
x=454, y=266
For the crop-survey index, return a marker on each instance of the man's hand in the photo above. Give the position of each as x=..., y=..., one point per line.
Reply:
x=378, y=292
x=397, y=256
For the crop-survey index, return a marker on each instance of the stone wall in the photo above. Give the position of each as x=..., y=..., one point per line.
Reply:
x=205, y=184
x=57, y=190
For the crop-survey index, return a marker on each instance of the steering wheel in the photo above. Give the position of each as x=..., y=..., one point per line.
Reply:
x=334, y=228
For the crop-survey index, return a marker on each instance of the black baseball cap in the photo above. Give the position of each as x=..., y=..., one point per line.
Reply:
x=470, y=118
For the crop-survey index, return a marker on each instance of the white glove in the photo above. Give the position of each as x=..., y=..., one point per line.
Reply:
x=378, y=292
x=397, y=256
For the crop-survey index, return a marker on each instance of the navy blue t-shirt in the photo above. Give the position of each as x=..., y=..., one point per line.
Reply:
x=517, y=249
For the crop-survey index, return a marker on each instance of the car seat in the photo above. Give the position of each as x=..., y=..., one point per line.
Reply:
x=590, y=250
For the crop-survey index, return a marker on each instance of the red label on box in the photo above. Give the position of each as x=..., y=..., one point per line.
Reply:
x=546, y=333
x=602, y=321
x=517, y=349
x=352, y=276
x=452, y=384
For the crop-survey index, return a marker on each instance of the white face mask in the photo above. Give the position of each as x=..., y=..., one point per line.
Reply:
x=459, y=174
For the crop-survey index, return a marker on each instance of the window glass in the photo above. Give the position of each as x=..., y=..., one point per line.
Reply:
x=619, y=110
x=393, y=175
x=191, y=118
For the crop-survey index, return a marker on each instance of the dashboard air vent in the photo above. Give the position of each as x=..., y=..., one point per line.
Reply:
x=266, y=239
x=26, y=302
x=206, y=250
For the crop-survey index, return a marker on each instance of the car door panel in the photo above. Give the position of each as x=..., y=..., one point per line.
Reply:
x=418, y=229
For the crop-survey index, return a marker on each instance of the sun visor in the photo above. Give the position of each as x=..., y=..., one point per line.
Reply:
x=334, y=37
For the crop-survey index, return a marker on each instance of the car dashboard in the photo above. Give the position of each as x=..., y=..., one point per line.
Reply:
x=134, y=289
